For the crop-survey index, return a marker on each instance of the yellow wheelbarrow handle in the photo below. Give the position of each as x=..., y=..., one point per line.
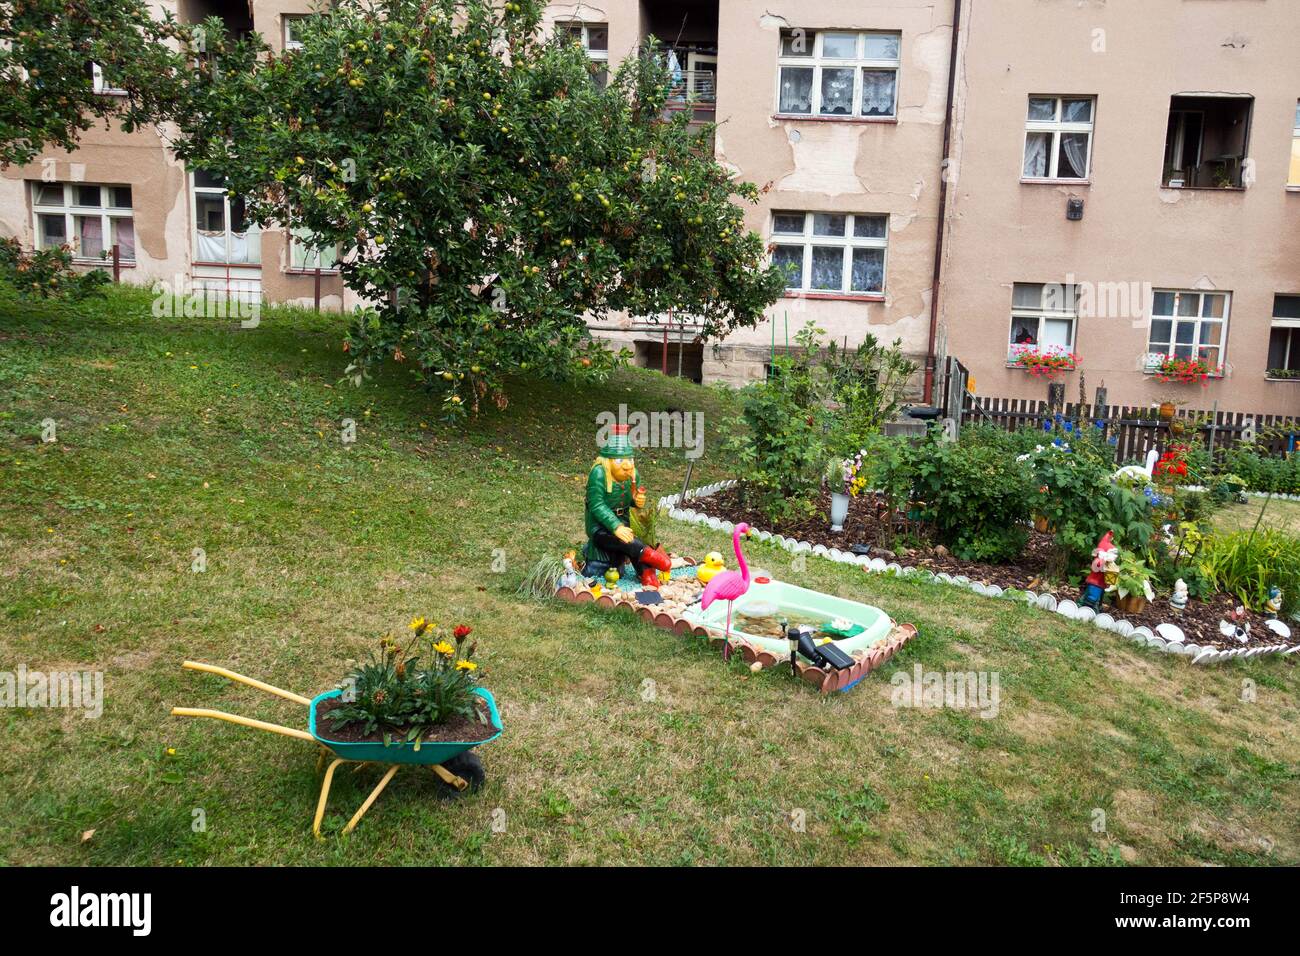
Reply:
x=260, y=685
x=242, y=721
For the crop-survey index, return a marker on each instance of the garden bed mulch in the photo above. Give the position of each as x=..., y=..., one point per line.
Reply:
x=456, y=730
x=866, y=525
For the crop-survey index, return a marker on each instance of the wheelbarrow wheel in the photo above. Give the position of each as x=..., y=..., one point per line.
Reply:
x=468, y=767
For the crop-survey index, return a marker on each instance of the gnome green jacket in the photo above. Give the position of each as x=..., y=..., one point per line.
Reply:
x=606, y=510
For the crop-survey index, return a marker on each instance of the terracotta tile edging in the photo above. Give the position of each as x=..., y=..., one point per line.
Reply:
x=1067, y=608
x=758, y=659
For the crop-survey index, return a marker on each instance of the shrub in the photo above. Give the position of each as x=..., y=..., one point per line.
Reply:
x=975, y=496
x=1263, y=472
x=1247, y=563
x=47, y=273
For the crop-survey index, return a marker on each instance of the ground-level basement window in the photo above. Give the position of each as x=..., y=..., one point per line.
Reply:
x=88, y=217
x=1284, y=338
x=1189, y=324
x=831, y=252
x=1206, y=141
x=222, y=232
x=306, y=253
x=1044, y=317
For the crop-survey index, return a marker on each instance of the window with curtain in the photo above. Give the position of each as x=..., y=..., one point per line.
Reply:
x=90, y=218
x=831, y=73
x=1188, y=324
x=1044, y=316
x=831, y=252
x=1058, y=137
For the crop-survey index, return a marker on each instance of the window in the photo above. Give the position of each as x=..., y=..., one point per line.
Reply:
x=831, y=252
x=1205, y=141
x=826, y=73
x=594, y=38
x=99, y=84
x=292, y=28
x=1284, y=338
x=1188, y=325
x=305, y=254
x=1043, y=318
x=89, y=218
x=1058, y=137
x=1293, y=178
x=222, y=232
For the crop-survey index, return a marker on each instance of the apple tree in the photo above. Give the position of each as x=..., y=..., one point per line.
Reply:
x=484, y=193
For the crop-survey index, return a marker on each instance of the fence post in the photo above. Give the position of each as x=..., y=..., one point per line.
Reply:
x=318, y=288
x=117, y=263
x=1214, y=424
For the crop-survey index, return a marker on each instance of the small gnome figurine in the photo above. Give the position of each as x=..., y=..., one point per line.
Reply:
x=1104, y=573
x=1236, y=624
x=1274, y=603
x=569, y=579
x=1179, y=598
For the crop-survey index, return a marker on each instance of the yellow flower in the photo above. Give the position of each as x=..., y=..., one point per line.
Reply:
x=466, y=666
x=419, y=625
x=442, y=647
x=171, y=751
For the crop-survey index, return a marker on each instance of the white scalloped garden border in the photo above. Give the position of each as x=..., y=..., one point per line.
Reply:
x=1159, y=639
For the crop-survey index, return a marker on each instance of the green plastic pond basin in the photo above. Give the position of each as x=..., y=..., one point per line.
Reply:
x=429, y=753
x=800, y=605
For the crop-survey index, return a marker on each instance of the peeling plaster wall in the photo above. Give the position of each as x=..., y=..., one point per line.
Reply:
x=1133, y=57
x=889, y=167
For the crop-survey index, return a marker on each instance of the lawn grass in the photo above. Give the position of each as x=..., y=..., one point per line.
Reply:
x=623, y=742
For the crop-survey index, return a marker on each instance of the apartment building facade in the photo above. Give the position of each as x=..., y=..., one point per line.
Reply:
x=1120, y=181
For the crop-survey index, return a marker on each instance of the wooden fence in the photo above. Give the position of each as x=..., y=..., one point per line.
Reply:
x=1136, y=429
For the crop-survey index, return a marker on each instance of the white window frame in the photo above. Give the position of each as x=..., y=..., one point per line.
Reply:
x=583, y=28
x=1154, y=355
x=97, y=74
x=71, y=210
x=285, y=31
x=1294, y=167
x=253, y=230
x=297, y=240
x=817, y=61
x=806, y=240
x=1069, y=296
x=1056, y=127
x=1292, y=325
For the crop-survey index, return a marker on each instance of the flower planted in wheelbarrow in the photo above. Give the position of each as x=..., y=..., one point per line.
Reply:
x=423, y=690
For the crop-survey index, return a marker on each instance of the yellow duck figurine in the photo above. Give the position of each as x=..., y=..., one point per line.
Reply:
x=711, y=567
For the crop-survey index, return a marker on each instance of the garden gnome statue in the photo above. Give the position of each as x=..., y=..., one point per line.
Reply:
x=1274, y=603
x=611, y=493
x=1104, y=573
x=1179, y=599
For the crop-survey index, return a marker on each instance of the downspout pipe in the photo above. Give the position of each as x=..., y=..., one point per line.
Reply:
x=930, y=357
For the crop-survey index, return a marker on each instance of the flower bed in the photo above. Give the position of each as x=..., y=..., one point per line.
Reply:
x=1193, y=631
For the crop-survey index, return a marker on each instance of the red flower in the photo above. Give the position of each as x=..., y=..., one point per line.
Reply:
x=461, y=632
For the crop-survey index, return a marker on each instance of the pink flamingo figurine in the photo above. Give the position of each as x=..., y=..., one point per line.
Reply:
x=728, y=585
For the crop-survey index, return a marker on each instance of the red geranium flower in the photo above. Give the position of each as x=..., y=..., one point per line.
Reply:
x=461, y=632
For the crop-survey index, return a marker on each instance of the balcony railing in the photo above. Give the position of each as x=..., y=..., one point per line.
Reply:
x=699, y=86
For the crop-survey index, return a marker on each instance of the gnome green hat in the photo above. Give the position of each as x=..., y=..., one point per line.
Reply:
x=617, y=445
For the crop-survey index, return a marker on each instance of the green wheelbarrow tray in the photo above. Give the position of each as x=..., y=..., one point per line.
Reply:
x=407, y=752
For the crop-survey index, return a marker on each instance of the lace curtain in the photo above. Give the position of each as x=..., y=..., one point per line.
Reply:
x=1036, y=154
x=878, y=92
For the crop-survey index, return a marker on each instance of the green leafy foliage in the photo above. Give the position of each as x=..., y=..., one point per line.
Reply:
x=1263, y=472
x=482, y=189
x=396, y=694
x=820, y=404
x=48, y=273
x=1247, y=564
x=47, y=91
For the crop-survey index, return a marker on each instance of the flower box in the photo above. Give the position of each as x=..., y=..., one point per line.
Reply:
x=1042, y=362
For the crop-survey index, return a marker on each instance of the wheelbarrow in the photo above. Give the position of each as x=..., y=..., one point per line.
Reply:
x=456, y=767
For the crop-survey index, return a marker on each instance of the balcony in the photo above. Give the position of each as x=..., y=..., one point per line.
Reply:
x=687, y=36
